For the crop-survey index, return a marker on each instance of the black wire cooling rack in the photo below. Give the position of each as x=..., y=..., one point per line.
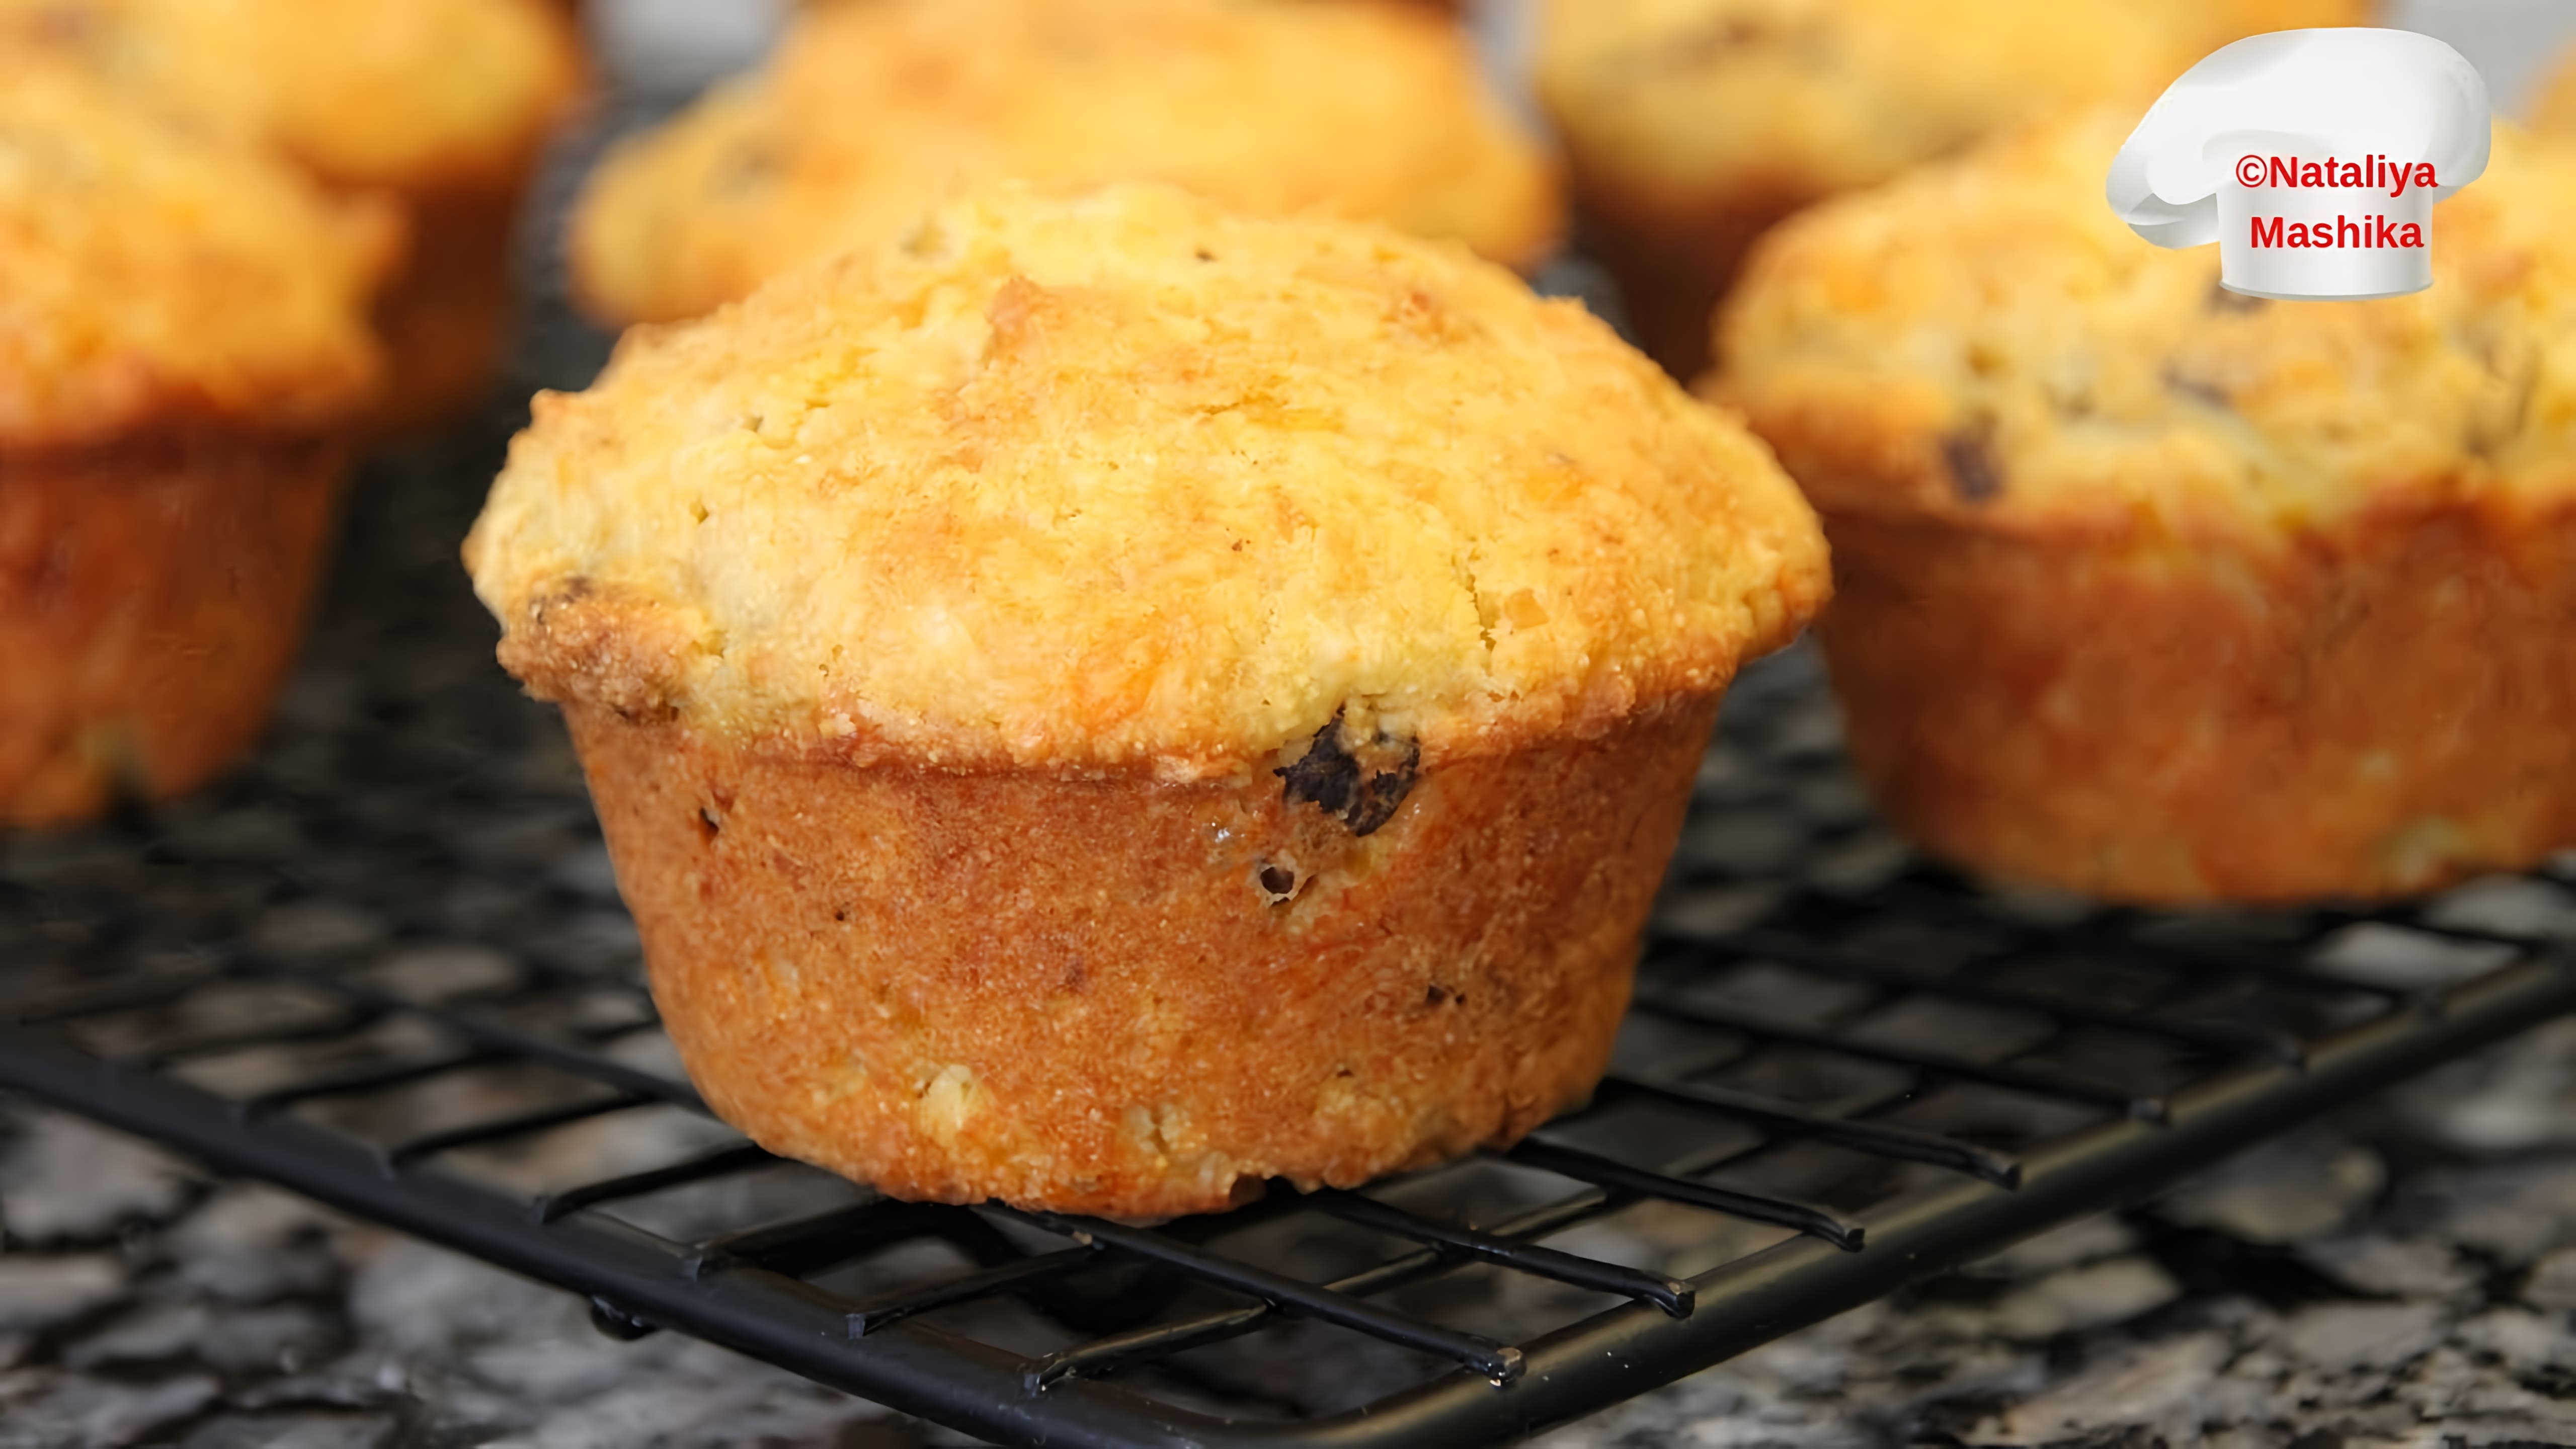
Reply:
x=1845, y=1071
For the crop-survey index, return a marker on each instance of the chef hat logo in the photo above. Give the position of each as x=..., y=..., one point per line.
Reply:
x=2305, y=154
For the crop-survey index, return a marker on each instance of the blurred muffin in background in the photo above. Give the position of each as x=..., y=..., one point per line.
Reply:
x=184, y=344
x=1107, y=701
x=2555, y=112
x=2163, y=593
x=445, y=104
x=1693, y=125
x=870, y=113
x=1446, y=7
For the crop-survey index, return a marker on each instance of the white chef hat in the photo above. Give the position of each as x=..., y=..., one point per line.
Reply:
x=2302, y=153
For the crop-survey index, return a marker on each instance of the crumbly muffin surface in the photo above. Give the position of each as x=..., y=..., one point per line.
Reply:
x=1984, y=339
x=154, y=276
x=871, y=113
x=406, y=93
x=1680, y=101
x=1124, y=482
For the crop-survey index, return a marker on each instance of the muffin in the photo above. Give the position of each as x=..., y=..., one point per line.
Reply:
x=444, y=104
x=1105, y=702
x=183, y=341
x=1445, y=7
x=2166, y=594
x=869, y=114
x=1694, y=125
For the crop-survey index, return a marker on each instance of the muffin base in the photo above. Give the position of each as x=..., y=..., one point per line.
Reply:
x=152, y=595
x=1673, y=264
x=445, y=316
x=1132, y=998
x=2370, y=711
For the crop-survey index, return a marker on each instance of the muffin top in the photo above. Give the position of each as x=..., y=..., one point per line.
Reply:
x=869, y=114
x=157, y=276
x=1985, y=339
x=1124, y=482
x=417, y=94
x=1681, y=104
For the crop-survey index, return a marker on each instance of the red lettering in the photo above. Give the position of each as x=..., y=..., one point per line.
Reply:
x=2299, y=234
x=2411, y=235
x=2271, y=238
x=2311, y=174
x=2351, y=174
x=2383, y=235
x=2282, y=172
x=2424, y=176
x=2348, y=235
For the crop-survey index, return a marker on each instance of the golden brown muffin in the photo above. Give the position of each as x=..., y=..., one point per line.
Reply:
x=443, y=103
x=183, y=334
x=869, y=113
x=1694, y=125
x=2166, y=594
x=1108, y=702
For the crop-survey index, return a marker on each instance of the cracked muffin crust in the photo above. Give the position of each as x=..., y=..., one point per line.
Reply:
x=183, y=338
x=869, y=114
x=2163, y=593
x=1694, y=125
x=1127, y=482
x=1107, y=702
